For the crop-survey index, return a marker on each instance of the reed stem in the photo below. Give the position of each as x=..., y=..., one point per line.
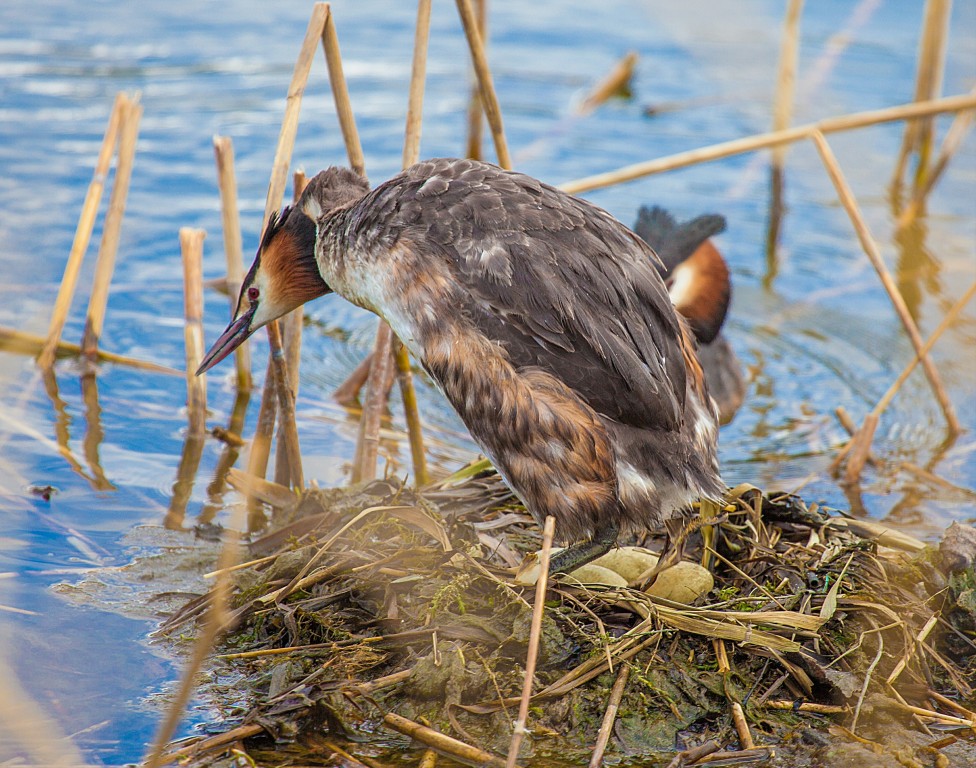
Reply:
x=233, y=248
x=535, y=633
x=488, y=98
x=766, y=140
x=874, y=255
x=476, y=111
x=340, y=93
x=786, y=77
x=191, y=247
x=367, y=444
x=105, y=264
x=83, y=233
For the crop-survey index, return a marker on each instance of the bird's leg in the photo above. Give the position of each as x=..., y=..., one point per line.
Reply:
x=582, y=552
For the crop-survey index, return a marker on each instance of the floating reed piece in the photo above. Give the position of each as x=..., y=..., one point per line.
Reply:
x=928, y=85
x=191, y=247
x=442, y=743
x=476, y=111
x=767, y=140
x=83, y=233
x=131, y=112
x=12, y=340
x=482, y=72
x=616, y=81
x=874, y=255
x=233, y=248
x=535, y=634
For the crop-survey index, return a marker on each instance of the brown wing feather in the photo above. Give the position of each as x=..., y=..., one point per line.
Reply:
x=560, y=283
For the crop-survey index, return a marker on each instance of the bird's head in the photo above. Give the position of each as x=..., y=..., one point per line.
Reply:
x=285, y=272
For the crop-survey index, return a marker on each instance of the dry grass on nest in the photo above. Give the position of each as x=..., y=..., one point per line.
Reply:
x=380, y=600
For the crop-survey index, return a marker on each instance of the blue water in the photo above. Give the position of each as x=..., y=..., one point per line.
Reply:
x=821, y=335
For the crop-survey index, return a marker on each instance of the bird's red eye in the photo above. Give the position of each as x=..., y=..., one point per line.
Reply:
x=253, y=293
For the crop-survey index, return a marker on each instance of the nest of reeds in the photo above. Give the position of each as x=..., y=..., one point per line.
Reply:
x=381, y=606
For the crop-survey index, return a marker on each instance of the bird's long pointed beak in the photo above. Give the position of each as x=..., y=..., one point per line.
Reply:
x=235, y=335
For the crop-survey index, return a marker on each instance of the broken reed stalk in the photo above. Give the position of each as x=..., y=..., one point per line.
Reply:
x=105, y=263
x=415, y=102
x=928, y=84
x=261, y=443
x=377, y=386
x=233, y=248
x=368, y=441
x=766, y=140
x=489, y=100
x=786, y=77
x=742, y=727
x=615, y=81
x=476, y=113
x=871, y=250
x=961, y=124
x=191, y=248
x=411, y=155
x=215, y=622
x=340, y=93
x=948, y=320
x=535, y=633
x=12, y=340
x=257, y=457
x=291, y=340
x=83, y=233
x=288, y=444
x=418, y=455
x=441, y=742
x=610, y=717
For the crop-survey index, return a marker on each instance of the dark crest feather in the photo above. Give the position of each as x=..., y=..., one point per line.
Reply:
x=275, y=222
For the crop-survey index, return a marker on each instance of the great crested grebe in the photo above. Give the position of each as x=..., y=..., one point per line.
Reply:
x=541, y=318
x=700, y=286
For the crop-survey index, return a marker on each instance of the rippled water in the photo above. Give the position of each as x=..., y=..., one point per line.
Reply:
x=818, y=335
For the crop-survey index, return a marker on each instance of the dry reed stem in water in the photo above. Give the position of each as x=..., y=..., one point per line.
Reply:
x=367, y=443
x=415, y=435
x=191, y=247
x=928, y=83
x=535, y=634
x=214, y=624
x=340, y=93
x=286, y=408
x=415, y=103
x=441, y=742
x=12, y=340
x=489, y=99
x=476, y=113
x=766, y=140
x=808, y=706
x=257, y=459
x=411, y=154
x=961, y=124
x=83, y=233
x=613, y=704
x=786, y=76
x=291, y=340
x=615, y=81
x=261, y=443
x=871, y=250
x=105, y=263
x=948, y=320
x=233, y=248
